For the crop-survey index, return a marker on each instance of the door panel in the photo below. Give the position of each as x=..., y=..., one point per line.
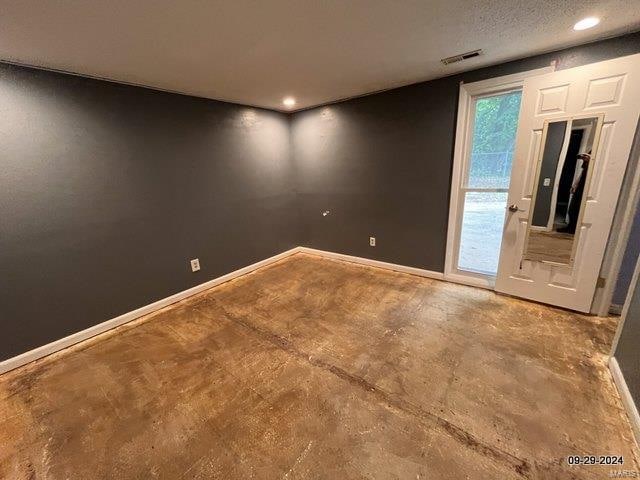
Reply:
x=612, y=89
x=484, y=181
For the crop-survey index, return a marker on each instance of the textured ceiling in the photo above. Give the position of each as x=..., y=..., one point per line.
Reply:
x=257, y=52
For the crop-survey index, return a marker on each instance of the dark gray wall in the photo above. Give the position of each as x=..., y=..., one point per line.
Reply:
x=631, y=254
x=107, y=191
x=627, y=352
x=382, y=163
x=548, y=168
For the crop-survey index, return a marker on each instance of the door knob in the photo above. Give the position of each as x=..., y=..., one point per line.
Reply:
x=514, y=208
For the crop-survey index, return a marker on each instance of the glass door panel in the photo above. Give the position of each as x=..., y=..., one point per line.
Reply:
x=486, y=181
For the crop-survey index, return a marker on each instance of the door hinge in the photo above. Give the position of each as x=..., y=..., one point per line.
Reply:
x=601, y=282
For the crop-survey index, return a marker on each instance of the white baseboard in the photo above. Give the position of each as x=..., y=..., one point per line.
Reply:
x=48, y=349
x=627, y=399
x=36, y=353
x=374, y=263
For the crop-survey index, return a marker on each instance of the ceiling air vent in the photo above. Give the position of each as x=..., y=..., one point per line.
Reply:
x=462, y=56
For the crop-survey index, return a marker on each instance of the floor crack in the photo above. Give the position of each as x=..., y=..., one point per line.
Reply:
x=520, y=466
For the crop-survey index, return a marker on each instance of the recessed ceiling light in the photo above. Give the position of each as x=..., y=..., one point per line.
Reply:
x=289, y=102
x=586, y=23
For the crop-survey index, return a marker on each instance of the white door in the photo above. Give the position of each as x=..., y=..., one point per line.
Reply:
x=610, y=89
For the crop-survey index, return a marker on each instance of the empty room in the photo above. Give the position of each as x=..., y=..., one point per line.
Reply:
x=319, y=239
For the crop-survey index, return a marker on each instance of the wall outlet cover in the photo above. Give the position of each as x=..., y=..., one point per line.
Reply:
x=372, y=241
x=195, y=265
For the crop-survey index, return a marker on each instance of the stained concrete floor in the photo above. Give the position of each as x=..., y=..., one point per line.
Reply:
x=314, y=368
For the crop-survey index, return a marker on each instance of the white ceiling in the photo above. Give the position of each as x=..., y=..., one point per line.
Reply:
x=258, y=51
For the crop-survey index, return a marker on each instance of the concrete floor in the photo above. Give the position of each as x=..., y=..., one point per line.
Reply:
x=313, y=368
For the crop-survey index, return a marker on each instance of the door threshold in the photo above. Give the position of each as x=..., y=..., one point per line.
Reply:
x=487, y=282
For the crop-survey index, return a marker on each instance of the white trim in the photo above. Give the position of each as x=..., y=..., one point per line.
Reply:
x=627, y=399
x=635, y=283
x=455, y=208
x=462, y=143
x=374, y=263
x=618, y=378
x=57, y=345
x=39, y=352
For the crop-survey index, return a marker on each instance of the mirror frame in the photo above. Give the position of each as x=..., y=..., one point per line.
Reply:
x=595, y=148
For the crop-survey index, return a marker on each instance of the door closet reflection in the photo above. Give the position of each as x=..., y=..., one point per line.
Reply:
x=562, y=176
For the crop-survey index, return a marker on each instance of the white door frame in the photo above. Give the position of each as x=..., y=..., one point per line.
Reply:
x=464, y=132
x=620, y=231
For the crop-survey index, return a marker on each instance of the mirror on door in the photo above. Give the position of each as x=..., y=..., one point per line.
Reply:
x=563, y=172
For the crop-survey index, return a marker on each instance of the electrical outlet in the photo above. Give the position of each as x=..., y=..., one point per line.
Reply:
x=195, y=265
x=546, y=182
x=372, y=241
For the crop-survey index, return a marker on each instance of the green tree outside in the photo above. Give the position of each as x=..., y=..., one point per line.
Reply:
x=494, y=135
x=496, y=122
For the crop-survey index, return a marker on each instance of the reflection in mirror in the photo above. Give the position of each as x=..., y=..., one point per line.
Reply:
x=559, y=193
